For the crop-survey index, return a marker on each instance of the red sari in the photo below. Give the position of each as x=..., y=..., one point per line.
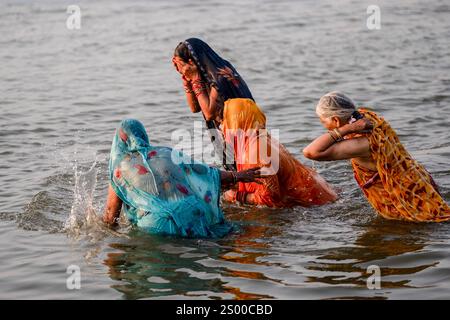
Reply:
x=291, y=183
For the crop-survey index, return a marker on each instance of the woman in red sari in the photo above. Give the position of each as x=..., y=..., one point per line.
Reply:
x=290, y=183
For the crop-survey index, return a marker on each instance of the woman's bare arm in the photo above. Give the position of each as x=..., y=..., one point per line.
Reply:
x=209, y=104
x=229, y=178
x=192, y=102
x=112, y=208
x=325, y=149
x=190, y=96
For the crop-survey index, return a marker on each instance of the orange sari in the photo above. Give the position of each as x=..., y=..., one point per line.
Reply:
x=400, y=188
x=290, y=183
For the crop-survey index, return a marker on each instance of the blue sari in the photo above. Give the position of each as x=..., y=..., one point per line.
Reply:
x=162, y=190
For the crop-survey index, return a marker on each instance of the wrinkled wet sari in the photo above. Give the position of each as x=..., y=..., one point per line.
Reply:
x=291, y=183
x=400, y=188
x=162, y=190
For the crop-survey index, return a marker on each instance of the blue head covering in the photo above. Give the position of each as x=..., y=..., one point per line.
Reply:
x=217, y=72
x=162, y=190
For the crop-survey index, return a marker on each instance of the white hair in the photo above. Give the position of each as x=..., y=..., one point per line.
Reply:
x=335, y=104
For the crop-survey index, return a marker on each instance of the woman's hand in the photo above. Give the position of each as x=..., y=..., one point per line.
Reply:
x=249, y=175
x=230, y=178
x=175, y=63
x=186, y=82
x=361, y=126
x=190, y=72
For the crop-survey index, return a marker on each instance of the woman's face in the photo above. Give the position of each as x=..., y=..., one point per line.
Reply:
x=184, y=68
x=331, y=123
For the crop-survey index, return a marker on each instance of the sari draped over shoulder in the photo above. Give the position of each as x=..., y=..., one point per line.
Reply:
x=290, y=183
x=400, y=188
x=162, y=190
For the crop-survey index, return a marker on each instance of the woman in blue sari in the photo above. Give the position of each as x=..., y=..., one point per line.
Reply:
x=163, y=191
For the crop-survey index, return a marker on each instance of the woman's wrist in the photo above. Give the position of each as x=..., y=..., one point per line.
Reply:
x=188, y=90
x=199, y=87
x=234, y=178
x=346, y=129
x=187, y=85
x=185, y=80
x=336, y=135
x=229, y=178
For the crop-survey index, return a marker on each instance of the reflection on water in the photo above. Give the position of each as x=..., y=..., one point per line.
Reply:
x=379, y=240
x=153, y=266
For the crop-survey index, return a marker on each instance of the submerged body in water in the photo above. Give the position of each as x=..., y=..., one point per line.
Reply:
x=164, y=195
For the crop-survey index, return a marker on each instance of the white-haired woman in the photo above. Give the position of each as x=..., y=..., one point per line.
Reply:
x=395, y=184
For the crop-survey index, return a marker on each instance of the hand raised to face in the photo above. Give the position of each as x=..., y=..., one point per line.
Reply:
x=189, y=70
x=176, y=63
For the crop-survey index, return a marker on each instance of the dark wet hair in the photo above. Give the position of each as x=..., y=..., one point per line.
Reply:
x=182, y=51
x=214, y=70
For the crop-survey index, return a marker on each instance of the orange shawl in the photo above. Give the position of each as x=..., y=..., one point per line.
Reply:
x=401, y=188
x=291, y=182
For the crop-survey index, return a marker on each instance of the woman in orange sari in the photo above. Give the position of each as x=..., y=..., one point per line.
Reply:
x=289, y=183
x=396, y=185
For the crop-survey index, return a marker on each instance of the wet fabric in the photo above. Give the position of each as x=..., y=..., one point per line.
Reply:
x=290, y=183
x=400, y=188
x=162, y=190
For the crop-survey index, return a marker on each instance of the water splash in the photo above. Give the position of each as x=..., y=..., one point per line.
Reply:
x=83, y=218
x=82, y=214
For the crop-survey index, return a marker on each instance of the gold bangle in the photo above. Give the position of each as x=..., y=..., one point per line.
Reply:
x=332, y=136
x=338, y=134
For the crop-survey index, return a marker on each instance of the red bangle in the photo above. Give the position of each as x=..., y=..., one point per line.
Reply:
x=188, y=90
x=198, y=86
x=198, y=81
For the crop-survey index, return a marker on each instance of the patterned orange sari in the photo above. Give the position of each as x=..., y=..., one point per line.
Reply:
x=400, y=188
x=291, y=183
